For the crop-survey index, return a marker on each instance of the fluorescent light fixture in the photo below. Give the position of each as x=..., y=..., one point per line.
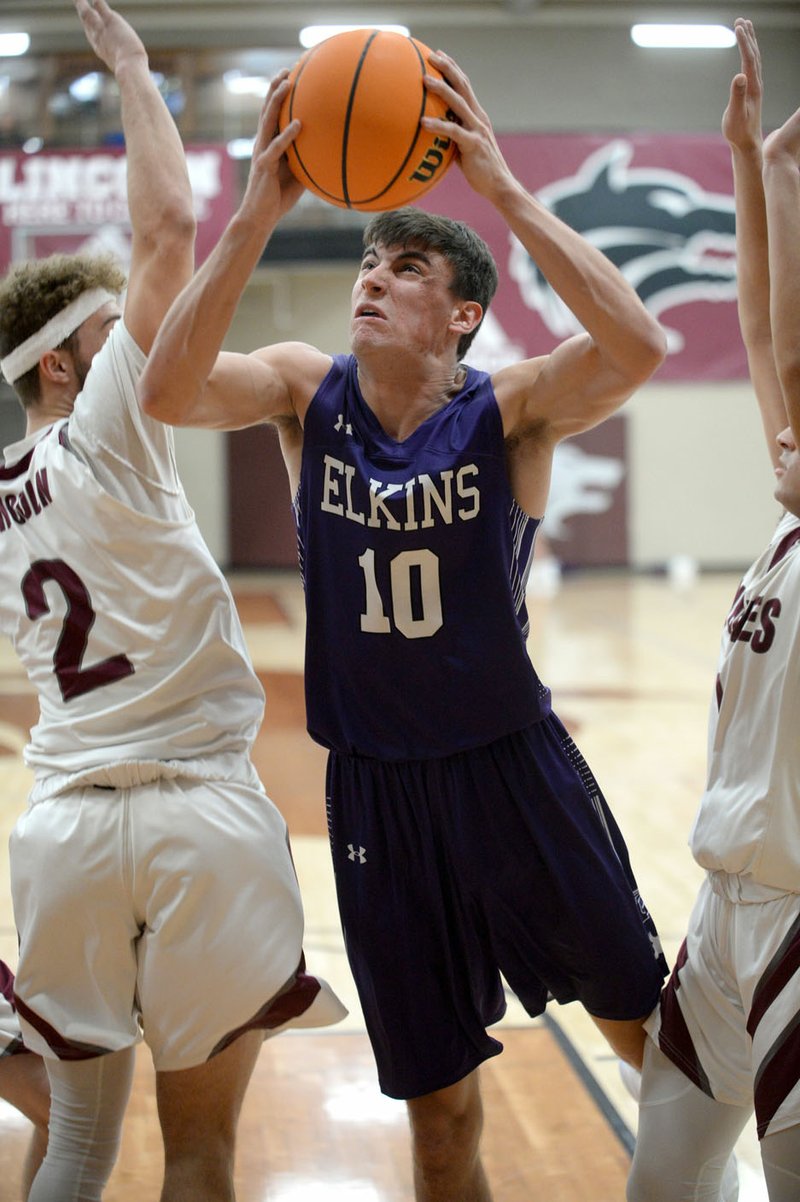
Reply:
x=240, y=84
x=683, y=37
x=87, y=88
x=13, y=44
x=312, y=35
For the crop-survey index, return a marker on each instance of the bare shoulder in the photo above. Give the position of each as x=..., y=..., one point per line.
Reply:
x=513, y=388
x=301, y=367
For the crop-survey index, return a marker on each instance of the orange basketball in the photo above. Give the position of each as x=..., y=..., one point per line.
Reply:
x=360, y=97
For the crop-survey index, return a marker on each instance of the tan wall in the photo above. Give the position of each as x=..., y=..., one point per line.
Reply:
x=700, y=481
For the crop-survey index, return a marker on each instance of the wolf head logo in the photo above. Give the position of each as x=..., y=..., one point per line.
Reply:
x=673, y=241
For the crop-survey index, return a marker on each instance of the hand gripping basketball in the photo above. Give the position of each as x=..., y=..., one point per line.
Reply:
x=360, y=97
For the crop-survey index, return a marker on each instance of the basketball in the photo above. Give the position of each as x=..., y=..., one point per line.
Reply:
x=360, y=97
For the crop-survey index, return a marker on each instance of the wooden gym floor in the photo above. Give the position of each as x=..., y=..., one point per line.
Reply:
x=631, y=663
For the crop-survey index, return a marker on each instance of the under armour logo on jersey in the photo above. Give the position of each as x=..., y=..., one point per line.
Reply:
x=348, y=429
x=354, y=855
x=655, y=943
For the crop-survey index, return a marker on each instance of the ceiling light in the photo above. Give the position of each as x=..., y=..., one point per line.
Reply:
x=87, y=88
x=12, y=44
x=683, y=37
x=240, y=84
x=312, y=35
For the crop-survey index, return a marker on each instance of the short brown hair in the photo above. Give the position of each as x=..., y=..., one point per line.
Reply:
x=34, y=292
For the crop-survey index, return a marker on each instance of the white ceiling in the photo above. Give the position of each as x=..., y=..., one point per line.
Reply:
x=174, y=24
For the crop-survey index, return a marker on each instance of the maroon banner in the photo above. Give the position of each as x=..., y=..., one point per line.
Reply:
x=73, y=201
x=660, y=206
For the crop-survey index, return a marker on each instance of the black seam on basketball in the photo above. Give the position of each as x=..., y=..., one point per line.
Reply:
x=311, y=179
x=345, y=198
x=348, y=115
x=293, y=147
x=369, y=199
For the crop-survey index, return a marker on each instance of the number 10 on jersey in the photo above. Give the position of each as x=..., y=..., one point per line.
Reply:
x=416, y=597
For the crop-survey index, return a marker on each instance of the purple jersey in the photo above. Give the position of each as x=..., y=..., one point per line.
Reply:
x=414, y=558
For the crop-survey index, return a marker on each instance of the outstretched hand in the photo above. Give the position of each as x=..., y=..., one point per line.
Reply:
x=741, y=121
x=477, y=151
x=785, y=142
x=109, y=34
x=271, y=188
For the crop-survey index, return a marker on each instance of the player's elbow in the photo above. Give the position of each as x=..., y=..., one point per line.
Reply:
x=181, y=223
x=157, y=400
x=172, y=237
x=788, y=366
x=650, y=353
x=176, y=214
x=151, y=401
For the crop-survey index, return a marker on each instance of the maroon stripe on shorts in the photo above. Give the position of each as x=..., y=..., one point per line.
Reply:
x=777, y=1075
x=6, y=982
x=65, y=1049
x=673, y=1036
x=781, y=968
x=293, y=1000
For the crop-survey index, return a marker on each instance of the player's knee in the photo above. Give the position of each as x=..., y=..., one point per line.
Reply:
x=447, y=1126
x=626, y=1037
x=646, y=1183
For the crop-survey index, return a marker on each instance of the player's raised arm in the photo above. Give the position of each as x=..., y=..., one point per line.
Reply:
x=782, y=187
x=183, y=383
x=741, y=125
x=159, y=194
x=590, y=375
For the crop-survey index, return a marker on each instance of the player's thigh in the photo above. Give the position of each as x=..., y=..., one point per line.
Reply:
x=425, y=972
x=224, y=918
x=780, y=1156
x=88, y=1105
x=684, y=1138
x=627, y=1037
x=199, y=1107
x=77, y=928
x=23, y=1083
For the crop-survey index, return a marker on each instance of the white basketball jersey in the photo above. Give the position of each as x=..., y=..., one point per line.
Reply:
x=749, y=816
x=113, y=602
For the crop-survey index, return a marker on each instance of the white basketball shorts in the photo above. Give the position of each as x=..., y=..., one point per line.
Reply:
x=168, y=910
x=729, y=1016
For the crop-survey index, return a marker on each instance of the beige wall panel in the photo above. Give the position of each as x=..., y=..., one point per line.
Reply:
x=700, y=481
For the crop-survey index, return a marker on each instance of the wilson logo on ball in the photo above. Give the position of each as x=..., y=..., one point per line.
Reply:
x=360, y=97
x=433, y=161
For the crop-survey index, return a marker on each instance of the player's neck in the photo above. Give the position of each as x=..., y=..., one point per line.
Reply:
x=50, y=409
x=403, y=398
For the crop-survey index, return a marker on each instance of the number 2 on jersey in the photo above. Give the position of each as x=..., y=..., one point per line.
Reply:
x=404, y=568
x=73, y=678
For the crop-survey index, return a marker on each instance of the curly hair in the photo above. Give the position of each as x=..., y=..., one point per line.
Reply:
x=33, y=292
x=474, y=268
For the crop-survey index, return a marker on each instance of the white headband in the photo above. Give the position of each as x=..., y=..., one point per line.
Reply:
x=53, y=332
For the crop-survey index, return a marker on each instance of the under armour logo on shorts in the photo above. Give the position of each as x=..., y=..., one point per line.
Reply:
x=354, y=855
